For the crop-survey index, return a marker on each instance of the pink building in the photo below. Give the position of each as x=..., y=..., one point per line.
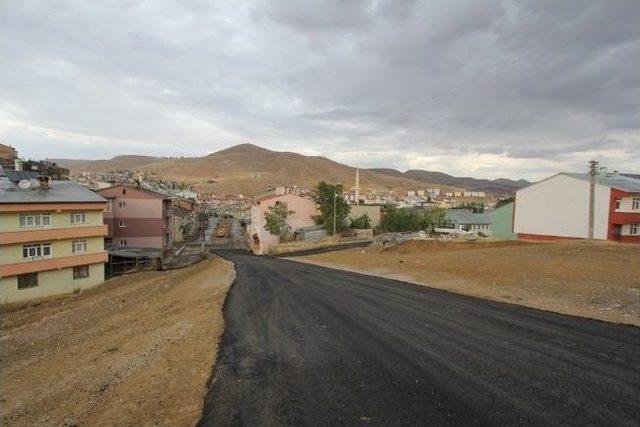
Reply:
x=137, y=217
x=303, y=211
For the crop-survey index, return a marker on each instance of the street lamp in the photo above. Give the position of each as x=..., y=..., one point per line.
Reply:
x=335, y=196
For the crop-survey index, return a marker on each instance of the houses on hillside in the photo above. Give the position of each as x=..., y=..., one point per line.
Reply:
x=51, y=238
x=559, y=207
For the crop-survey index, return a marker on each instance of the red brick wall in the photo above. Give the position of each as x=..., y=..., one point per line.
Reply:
x=621, y=217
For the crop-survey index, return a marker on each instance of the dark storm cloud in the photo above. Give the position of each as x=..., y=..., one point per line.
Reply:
x=507, y=87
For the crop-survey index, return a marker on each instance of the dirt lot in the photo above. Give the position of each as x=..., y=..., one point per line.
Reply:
x=137, y=350
x=598, y=280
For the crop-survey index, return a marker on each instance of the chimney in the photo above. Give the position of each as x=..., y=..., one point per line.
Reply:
x=44, y=182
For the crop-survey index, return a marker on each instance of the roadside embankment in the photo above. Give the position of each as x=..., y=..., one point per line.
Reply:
x=599, y=280
x=137, y=350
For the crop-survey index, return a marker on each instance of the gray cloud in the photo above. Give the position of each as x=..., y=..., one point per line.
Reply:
x=506, y=88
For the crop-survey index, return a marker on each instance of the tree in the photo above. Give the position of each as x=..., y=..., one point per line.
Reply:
x=363, y=222
x=325, y=194
x=475, y=207
x=276, y=220
x=411, y=219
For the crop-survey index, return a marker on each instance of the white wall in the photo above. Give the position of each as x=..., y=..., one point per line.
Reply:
x=559, y=206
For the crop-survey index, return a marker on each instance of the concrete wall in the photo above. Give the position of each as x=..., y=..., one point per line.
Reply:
x=50, y=283
x=372, y=210
x=304, y=209
x=559, y=207
x=502, y=218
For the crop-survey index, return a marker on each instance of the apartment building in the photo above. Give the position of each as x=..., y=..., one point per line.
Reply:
x=137, y=217
x=51, y=238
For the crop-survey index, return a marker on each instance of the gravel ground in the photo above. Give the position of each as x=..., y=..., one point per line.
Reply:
x=137, y=350
x=599, y=280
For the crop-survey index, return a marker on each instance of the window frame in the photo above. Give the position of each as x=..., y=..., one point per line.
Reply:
x=81, y=214
x=37, y=251
x=634, y=229
x=79, y=246
x=635, y=203
x=38, y=219
x=122, y=224
x=122, y=204
x=81, y=268
x=27, y=285
x=123, y=244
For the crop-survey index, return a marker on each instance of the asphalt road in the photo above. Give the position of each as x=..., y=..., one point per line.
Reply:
x=307, y=345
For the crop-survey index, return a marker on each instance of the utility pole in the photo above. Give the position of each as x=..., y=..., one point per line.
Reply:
x=335, y=196
x=593, y=171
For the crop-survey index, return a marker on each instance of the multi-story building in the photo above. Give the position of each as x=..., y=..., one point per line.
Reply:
x=51, y=238
x=558, y=207
x=137, y=217
x=8, y=156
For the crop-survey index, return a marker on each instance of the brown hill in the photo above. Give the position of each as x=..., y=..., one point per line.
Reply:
x=249, y=169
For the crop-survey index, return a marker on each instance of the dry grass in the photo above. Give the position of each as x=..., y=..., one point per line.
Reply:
x=137, y=350
x=593, y=279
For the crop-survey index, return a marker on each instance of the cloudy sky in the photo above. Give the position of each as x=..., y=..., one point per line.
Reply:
x=504, y=88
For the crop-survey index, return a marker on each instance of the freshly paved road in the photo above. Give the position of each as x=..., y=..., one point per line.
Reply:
x=307, y=345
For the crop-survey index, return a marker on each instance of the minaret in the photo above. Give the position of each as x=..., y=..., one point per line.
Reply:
x=357, y=187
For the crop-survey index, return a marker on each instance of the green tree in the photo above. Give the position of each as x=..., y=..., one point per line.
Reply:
x=475, y=207
x=411, y=219
x=504, y=202
x=325, y=194
x=363, y=222
x=276, y=220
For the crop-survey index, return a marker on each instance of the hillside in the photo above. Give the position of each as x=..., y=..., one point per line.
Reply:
x=249, y=169
x=498, y=186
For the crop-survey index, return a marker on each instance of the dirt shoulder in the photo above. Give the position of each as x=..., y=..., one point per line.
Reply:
x=597, y=280
x=137, y=350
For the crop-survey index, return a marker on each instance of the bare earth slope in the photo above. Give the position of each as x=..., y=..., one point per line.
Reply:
x=135, y=351
x=249, y=169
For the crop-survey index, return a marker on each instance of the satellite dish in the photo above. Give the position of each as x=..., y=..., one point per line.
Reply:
x=34, y=183
x=24, y=184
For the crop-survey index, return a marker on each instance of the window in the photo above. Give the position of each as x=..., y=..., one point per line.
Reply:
x=78, y=218
x=109, y=205
x=29, y=280
x=35, y=220
x=633, y=229
x=124, y=191
x=618, y=200
x=122, y=204
x=79, y=246
x=123, y=243
x=122, y=224
x=38, y=250
x=81, y=272
x=635, y=203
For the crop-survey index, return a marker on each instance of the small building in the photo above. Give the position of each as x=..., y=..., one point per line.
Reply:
x=137, y=217
x=372, y=211
x=303, y=212
x=51, y=238
x=502, y=222
x=465, y=220
x=558, y=207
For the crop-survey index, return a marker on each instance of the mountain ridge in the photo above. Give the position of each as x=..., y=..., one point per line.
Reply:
x=249, y=169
